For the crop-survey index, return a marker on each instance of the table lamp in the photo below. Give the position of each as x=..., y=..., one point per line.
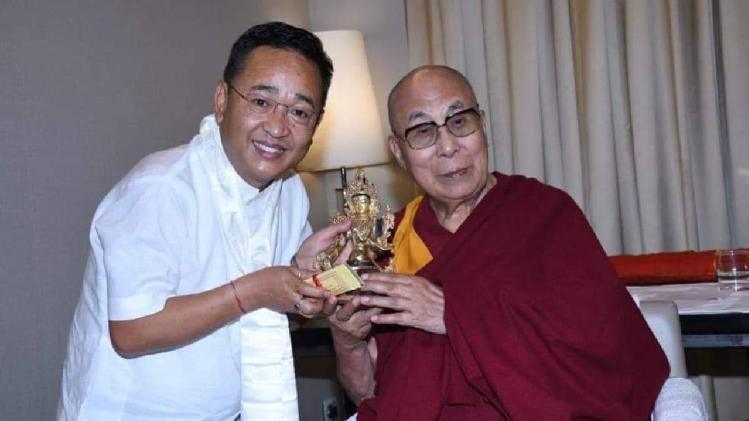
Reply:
x=351, y=133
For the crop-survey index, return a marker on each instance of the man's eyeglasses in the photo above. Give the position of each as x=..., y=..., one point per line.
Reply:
x=302, y=115
x=460, y=124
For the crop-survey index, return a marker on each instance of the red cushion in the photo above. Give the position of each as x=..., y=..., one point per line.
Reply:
x=665, y=268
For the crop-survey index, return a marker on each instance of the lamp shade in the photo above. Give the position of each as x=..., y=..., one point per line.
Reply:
x=350, y=133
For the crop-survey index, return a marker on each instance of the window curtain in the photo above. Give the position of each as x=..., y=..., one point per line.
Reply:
x=638, y=109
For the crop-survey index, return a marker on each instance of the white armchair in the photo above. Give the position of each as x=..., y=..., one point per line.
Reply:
x=679, y=399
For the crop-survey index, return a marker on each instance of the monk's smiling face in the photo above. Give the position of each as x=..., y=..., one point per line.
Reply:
x=453, y=169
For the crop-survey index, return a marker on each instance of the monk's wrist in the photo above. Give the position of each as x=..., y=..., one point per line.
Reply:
x=348, y=344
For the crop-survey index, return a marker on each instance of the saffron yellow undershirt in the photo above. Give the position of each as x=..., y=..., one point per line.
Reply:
x=410, y=252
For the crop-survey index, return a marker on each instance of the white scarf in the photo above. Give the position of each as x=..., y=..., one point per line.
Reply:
x=265, y=357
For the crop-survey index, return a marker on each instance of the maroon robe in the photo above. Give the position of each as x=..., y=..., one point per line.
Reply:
x=538, y=325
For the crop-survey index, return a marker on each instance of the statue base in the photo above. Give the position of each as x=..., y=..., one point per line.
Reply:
x=361, y=263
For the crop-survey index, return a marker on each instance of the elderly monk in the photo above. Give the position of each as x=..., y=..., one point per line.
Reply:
x=504, y=305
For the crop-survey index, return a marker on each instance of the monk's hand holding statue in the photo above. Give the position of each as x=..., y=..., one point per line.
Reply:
x=406, y=300
x=351, y=323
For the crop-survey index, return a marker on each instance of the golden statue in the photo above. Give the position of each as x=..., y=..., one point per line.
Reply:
x=369, y=233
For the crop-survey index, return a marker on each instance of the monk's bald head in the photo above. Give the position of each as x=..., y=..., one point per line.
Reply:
x=412, y=84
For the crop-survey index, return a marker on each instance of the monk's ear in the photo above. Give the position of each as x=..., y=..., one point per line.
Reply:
x=220, y=99
x=395, y=145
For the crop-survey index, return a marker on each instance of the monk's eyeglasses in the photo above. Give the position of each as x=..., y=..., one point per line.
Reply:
x=460, y=124
x=301, y=114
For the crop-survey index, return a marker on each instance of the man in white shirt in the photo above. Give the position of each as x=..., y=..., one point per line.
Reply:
x=182, y=314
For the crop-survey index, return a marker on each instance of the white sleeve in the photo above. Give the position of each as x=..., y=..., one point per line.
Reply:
x=306, y=232
x=142, y=233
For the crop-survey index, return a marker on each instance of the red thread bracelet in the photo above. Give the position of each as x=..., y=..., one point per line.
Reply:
x=236, y=297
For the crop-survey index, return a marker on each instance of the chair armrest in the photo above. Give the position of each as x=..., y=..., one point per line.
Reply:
x=679, y=400
x=663, y=319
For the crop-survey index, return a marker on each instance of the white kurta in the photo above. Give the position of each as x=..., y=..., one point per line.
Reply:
x=181, y=222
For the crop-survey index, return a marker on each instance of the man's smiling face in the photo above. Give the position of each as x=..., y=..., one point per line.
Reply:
x=262, y=147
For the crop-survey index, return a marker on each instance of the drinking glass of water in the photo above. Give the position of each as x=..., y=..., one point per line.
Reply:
x=732, y=268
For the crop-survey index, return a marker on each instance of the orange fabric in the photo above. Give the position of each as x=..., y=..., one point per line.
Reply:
x=410, y=252
x=665, y=268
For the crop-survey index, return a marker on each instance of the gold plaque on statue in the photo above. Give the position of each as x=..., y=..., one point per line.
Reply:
x=338, y=280
x=369, y=233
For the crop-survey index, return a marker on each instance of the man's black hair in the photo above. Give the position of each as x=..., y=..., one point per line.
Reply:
x=282, y=36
